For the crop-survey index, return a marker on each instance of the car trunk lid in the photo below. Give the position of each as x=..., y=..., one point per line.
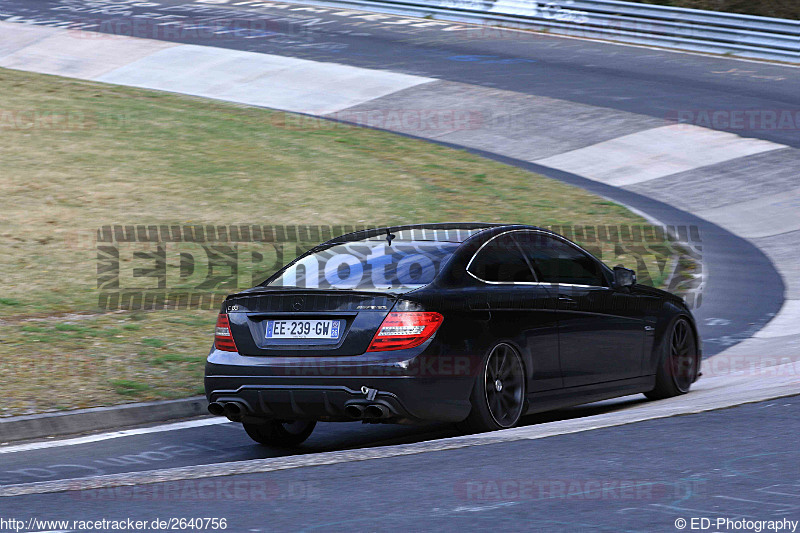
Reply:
x=294, y=322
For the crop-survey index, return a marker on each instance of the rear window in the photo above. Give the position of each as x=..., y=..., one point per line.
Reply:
x=368, y=265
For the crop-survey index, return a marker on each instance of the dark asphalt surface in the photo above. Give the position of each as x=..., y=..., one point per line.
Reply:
x=730, y=463
x=649, y=82
x=638, y=477
x=228, y=442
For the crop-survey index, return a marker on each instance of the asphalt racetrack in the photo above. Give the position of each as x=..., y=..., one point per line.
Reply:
x=738, y=463
x=637, y=477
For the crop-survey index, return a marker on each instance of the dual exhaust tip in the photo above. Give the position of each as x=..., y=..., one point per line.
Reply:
x=358, y=411
x=233, y=410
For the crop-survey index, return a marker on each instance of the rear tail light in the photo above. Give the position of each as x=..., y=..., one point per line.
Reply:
x=222, y=335
x=401, y=330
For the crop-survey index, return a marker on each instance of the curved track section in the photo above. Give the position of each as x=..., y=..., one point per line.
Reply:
x=547, y=104
x=598, y=115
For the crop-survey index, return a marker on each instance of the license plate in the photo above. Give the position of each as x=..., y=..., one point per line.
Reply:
x=303, y=329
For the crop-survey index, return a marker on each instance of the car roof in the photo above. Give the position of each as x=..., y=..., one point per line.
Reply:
x=456, y=232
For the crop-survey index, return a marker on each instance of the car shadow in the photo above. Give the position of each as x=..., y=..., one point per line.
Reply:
x=355, y=435
x=582, y=411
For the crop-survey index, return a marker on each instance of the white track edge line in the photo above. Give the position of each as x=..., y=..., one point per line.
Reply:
x=88, y=439
x=255, y=466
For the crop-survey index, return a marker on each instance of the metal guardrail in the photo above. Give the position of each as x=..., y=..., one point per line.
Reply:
x=664, y=26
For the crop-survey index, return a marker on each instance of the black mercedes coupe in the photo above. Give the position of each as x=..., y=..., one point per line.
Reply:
x=476, y=324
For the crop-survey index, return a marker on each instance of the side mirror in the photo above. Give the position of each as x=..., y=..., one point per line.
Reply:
x=624, y=277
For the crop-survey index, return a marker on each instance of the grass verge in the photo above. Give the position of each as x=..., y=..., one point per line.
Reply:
x=77, y=155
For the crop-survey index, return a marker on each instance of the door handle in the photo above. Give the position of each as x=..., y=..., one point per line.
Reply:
x=565, y=301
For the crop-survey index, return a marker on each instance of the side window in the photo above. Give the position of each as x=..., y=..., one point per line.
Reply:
x=500, y=260
x=557, y=262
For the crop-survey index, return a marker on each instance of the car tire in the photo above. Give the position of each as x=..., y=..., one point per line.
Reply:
x=677, y=366
x=283, y=434
x=498, y=395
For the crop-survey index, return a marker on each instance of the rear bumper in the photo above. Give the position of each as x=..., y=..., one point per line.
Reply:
x=422, y=388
